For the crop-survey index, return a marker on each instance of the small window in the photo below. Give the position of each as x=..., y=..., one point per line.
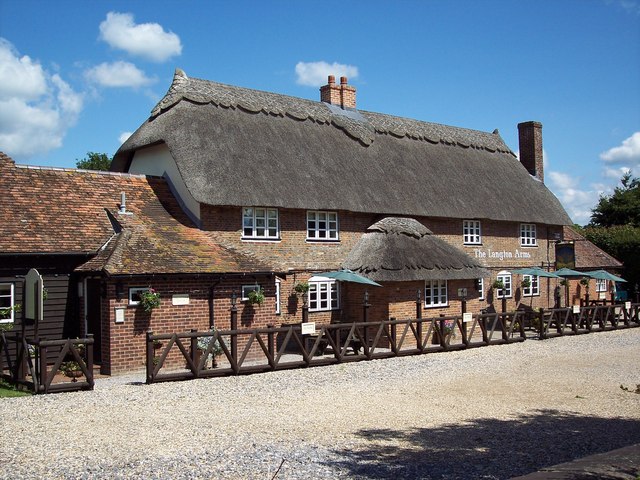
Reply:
x=601, y=285
x=435, y=293
x=248, y=288
x=322, y=225
x=323, y=294
x=528, y=235
x=534, y=289
x=7, y=303
x=260, y=223
x=506, y=280
x=471, y=232
x=134, y=294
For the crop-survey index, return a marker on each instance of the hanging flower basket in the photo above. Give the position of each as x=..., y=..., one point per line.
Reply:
x=256, y=297
x=149, y=300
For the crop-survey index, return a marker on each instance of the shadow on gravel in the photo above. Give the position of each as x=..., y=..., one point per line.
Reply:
x=486, y=448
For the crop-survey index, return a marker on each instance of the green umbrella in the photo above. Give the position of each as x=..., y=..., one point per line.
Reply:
x=567, y=272
x=349, y=276
x=535, y=271
x=604, y=275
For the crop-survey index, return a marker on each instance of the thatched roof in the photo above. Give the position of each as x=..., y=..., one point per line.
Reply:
x=235, y=146
x=402, y=249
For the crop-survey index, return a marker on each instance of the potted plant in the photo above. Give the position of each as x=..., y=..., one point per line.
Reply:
x=498, y=285
x=256, y=297
x=149, y=299
x=203, y=345
x=525, y=283
x=71, y=369
x=301, y=288
x=6, y=313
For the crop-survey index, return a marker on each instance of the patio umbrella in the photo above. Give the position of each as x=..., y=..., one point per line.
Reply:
x=535, y=271
x=349, y=276
x=567, y=273
x=604, y=275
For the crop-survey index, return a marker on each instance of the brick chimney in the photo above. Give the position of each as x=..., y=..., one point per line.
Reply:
x=343, y=95
x=530, y=140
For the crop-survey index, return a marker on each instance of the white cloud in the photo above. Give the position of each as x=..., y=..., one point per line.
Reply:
x=118, y=74
x=314, y=74
x=627, y=154
x=36, y=108
x=578, y=202
x=147, y=40
x=20, y=77
x=124, y=136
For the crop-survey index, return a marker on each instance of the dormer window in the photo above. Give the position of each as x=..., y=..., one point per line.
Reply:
x=471, y=232
x=260, y=223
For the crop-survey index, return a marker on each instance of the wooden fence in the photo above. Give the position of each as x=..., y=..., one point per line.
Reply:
x=595, y=318
x=278, y=348
x=28, y=363
x=266, y=349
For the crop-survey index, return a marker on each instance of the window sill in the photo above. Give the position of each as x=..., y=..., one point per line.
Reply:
x=529, y=246
x=472, y=244
x=260, y=240
x=442, y=305
x=322, y=240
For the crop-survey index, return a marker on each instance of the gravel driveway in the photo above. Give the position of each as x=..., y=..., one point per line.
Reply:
x=492, y=412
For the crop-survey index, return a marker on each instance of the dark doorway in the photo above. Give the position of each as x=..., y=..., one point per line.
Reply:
x=94, y=324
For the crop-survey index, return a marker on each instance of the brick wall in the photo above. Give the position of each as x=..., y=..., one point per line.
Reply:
x=124, y=346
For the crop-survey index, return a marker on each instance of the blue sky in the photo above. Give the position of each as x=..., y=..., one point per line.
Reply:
x=78, y=76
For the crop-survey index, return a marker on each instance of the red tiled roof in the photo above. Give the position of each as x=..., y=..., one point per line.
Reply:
x=52, y=210
x=588, y=255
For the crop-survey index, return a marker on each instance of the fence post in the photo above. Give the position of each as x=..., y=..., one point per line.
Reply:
x=271, y=337
x=89, y=352
x=394, y=334
x=365, y=315
x=234, y=327
x=419, y=317
x=41, y=383
x=542, y=329
x=150, y=365
x=194, y=353
x=483, y=326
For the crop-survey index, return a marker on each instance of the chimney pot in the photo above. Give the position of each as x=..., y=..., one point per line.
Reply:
x=343, y=95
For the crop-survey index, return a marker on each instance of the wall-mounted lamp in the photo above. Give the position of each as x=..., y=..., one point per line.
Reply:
x=119, y=291
x=234, y=299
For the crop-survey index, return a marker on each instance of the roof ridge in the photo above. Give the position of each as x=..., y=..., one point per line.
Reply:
x=82, y=170
x=358, y=124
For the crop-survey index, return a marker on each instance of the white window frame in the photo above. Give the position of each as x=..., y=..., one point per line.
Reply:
x=329, y=233
x=505, y=276
x=12, y=302
x=471, y=232
x=436, y=293
x=323, y=294
x=481, y=288
x=255, y=219
x=534, y=289
x=528, y=236
x=136, y=291
x=278, y=289
x=244, y=296
x=601, y=285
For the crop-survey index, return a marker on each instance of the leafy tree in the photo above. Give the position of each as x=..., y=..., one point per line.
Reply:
x=615, y=227
x=622, y=207
x=94, y=161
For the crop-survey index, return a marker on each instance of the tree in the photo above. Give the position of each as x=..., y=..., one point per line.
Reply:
x=615, y=226
x=622, y=207
x=94, y=161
